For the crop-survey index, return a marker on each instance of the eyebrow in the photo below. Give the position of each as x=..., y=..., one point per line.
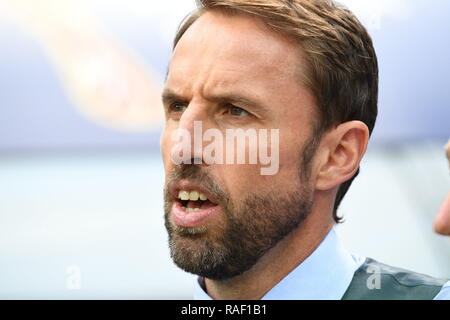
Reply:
x=169, y=95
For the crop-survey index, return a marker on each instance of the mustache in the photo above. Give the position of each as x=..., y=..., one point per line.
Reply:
x=197, y=175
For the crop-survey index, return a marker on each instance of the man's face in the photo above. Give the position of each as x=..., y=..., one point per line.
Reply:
x=218, y=59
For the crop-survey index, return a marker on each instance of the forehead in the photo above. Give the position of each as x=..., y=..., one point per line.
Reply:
x=220, y=50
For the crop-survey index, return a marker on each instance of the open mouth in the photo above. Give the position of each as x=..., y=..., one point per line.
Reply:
x=193, y=201
x=192, y=208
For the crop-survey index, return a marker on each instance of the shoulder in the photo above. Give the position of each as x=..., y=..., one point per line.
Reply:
x=375, y=280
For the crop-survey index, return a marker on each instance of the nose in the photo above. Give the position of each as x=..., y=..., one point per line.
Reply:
x=194, y=112
x=189, y=134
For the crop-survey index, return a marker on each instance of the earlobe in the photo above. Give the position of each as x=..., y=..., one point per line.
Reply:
x=346, y=145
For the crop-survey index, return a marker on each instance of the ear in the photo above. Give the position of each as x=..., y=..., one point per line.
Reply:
x=342, y=150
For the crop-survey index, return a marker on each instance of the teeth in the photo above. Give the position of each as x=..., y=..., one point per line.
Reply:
x=183, y=195
x=193, y=195
x=192, y=209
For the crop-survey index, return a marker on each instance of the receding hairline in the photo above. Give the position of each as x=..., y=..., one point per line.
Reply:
x=303, y=66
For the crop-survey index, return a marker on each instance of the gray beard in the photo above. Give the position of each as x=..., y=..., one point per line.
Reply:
x=250, y=229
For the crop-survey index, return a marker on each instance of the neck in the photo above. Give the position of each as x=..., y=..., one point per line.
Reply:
x=276, y=264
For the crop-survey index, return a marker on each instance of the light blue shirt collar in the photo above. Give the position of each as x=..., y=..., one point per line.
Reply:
x=324, y=275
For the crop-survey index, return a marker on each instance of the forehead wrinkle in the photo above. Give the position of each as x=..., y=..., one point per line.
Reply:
x=210, y=83
x=210, y=59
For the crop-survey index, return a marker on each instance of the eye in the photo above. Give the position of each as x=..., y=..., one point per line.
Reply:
x=177, y=107
x=236, y=111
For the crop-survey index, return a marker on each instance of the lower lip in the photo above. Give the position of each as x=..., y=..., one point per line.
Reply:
x=192, y=219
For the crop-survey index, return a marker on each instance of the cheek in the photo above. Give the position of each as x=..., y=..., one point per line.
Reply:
x=290, y=156
x=165, y=147
x=244, y=179
x=239, y=180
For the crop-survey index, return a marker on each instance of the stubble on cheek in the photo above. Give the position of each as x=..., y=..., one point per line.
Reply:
x=264, y=214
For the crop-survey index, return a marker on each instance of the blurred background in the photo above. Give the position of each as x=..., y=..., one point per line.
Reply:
x=81, y=178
